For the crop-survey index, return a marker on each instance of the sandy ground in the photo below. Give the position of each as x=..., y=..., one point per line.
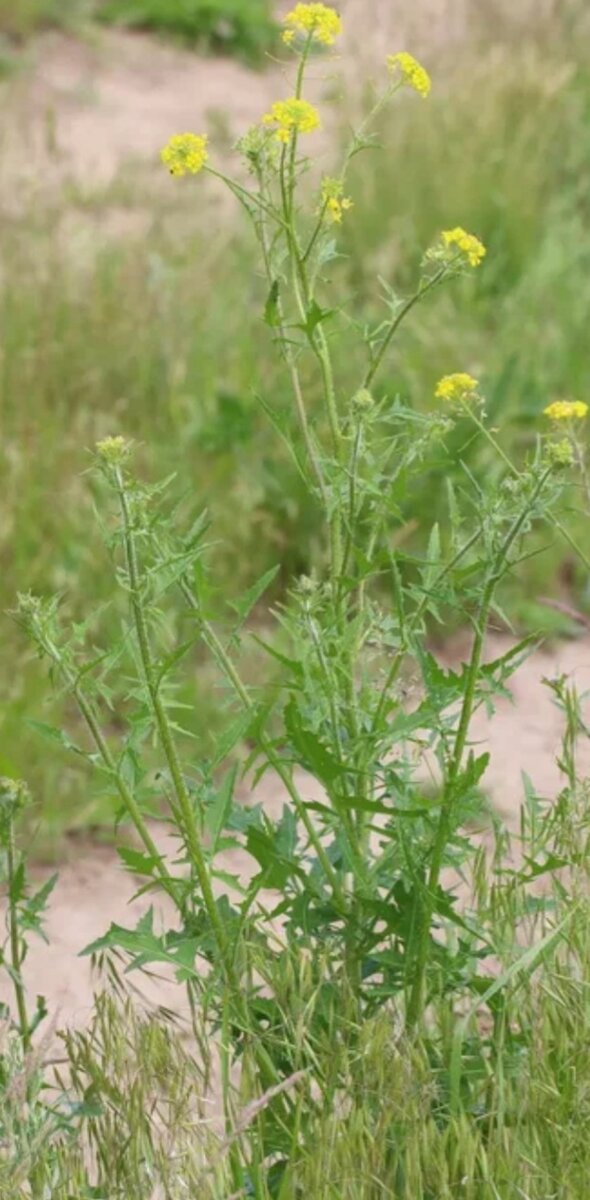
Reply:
x=94, y=890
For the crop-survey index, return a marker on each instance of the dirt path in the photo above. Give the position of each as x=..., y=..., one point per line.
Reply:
x=94, y=889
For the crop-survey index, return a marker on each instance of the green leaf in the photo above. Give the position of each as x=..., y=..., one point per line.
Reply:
x=433, y=555
x=218, y=811
x=51, y=734
x=235, y=732
x=250, y=598
x=137, y=861
x=311, y=753
x=37, y=903
x=314, y=317
x=271, y=308
x=292, y=665
x=271, y=849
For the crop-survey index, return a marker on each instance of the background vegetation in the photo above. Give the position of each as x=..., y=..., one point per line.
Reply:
x=243, y=27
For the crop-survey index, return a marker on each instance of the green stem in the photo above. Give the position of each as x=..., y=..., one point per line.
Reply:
x=352, y=488
x=126, y=795
x=416, y=1000
x=193, y=841
x=15, y=946
x=360, y=133
x=331, y=693
x=516, y=473
x=291, y=364
x=397, y=661
x=395, y=324
x=242, y=194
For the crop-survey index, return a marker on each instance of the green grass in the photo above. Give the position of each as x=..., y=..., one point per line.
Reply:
x=378, y=1126
x=245, y=27
x=242, y=27
x=21, y=18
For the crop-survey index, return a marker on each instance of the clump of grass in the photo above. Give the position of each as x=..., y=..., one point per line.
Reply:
x=242, y=27
x=21, y=18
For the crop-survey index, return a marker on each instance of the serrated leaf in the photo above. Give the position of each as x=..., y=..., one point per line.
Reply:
x=244, y=607
x=137, y=860
x=293, y=666
x=51, y=734
x=218, y=811
x=432, y=568
x=315, y=316
x=235, y=732
x=311, y=753
x=37, y=903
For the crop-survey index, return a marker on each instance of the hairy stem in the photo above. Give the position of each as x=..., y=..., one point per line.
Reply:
x=416, y=1000
x=15, y=945
x=193, y=841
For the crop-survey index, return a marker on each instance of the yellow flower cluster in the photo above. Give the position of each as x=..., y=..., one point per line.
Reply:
x=566, y=410
x=185, y=154
x=315, y=20
x=413, y=73
x=334, y=202
x=467, y=243
x=456, y=387
x=292, y=116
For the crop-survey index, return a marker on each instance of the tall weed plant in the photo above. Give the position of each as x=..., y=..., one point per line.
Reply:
x=339, y=974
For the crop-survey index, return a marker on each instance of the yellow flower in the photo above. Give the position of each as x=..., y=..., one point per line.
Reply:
x=456, y=387
x=467, y=243
x=566, y=410
x=292, y=116
x=333, y=200
x=413, y=73
x=317, y=20
x=185, y=154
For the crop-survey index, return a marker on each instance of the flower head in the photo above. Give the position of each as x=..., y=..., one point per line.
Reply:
x=412, y=72
x=316, y=20
x=113, y=450
x=559, y=454
x=292, y=116
x=566, y=410
x=467, y=243
x=334, y=202
x=362, y=403
x=456, y=388
x=185, y=154
x=14, y=796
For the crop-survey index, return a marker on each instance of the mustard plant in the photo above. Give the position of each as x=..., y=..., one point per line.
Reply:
x=356, y=879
